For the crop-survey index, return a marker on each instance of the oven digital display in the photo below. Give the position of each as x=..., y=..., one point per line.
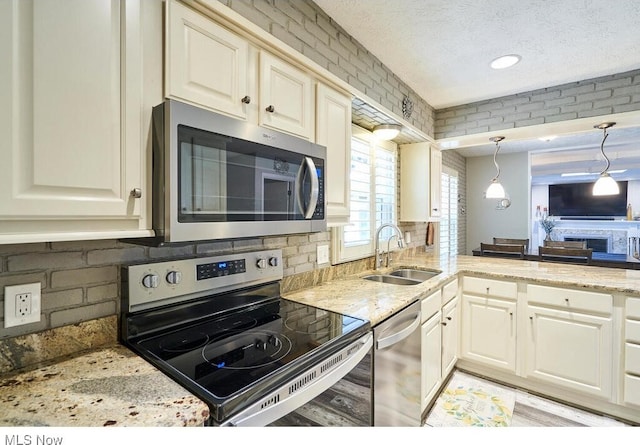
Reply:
x=220, y=269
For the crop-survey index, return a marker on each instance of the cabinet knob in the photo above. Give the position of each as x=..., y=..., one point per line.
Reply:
x=566, y=299
x=531, y=318
x=246, y=100
x=444, y=324
x=136, y=193
x=270, y=109
x=449, y=318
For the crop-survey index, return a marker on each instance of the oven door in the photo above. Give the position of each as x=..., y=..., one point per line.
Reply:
x=335, y=392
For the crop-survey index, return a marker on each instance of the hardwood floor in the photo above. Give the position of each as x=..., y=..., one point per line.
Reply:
x=533, y=411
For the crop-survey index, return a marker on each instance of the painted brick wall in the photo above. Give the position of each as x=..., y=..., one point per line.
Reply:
x=305, y=27
x=602, y=96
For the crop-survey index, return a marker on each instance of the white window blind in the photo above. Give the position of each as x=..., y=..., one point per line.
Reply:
x=373, y=196
x=449, y=213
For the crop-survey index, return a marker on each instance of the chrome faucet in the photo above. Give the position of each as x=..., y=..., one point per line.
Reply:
x=378, y=255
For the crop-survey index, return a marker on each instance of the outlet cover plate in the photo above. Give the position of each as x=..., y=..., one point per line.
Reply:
x=323, y=254
x=11, y=313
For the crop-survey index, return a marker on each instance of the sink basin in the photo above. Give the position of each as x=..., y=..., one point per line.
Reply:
x=416, y=274
x=390, y=279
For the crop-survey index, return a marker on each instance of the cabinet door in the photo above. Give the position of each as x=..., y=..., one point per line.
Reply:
x=570, y=349
x=205, y=63
x=489, y=331
x=431, y=345
x=414, y=182
x=333, y=130
x=286, y=97
x=436, y=183
x=450, y=326
x=71, y=84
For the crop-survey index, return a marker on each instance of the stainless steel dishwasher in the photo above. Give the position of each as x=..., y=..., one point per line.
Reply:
x=396, y=375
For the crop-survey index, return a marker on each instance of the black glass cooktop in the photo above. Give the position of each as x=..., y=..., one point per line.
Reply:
x=266, y=342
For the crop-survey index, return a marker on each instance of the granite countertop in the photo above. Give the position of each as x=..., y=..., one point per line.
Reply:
x=376, y=301
x=110, y=386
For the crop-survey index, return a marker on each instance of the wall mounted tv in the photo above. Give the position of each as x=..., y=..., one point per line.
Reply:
x=576, y=201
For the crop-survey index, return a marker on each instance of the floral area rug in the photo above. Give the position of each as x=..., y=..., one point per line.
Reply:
x=468, y=401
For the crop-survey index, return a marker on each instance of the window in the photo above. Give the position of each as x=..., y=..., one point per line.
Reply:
x=449, y=213
x=373, y=185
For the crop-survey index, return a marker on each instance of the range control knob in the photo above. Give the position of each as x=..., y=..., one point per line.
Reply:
x=261, y=263
x=150, y=281
x=174, y=277
x=273, y=261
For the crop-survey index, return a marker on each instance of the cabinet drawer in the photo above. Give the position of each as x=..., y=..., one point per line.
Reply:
x=632, y=358
x=633, y=308
x=570, y=298
x=632, y=330
x=632, y=389
x=495, y=288
x=449, y=291
x=430, y=305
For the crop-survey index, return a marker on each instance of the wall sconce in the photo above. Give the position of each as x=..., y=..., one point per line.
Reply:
x=386, y=132
x=605, y=185
x=495, y=189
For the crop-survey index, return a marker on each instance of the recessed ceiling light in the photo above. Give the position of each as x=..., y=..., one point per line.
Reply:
x=505, y=61
x=548, y=138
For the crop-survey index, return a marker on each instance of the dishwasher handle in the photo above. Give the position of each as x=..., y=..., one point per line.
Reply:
x=397, y=337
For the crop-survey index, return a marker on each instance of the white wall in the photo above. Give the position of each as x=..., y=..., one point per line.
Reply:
x=484, y=221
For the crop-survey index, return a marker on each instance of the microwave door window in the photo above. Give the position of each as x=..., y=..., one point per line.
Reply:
x=277, y=197
x=203, y=184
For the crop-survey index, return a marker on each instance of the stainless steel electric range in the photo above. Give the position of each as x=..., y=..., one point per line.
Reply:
x=219, y=327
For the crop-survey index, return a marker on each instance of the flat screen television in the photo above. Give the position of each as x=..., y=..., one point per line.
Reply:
x=576, y=201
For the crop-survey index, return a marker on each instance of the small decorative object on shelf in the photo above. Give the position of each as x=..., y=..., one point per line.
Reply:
x=547, y=224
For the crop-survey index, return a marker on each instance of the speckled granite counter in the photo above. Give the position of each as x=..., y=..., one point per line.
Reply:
x=108, y=386
x=376, y=301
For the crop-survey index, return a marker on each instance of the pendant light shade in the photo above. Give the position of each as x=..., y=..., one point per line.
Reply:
x=605, y=185
x=495, y=189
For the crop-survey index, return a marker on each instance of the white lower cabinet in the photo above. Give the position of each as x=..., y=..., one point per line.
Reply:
x=488, y=333
x=569, y=339
x=631, y=376
x=450, y=326
x=439, y=340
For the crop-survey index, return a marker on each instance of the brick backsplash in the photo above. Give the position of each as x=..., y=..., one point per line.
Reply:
x=601, y=96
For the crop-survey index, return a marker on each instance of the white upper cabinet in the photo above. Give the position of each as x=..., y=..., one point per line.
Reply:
x=420, y=171
x=286, y=97
x=72, y=120
x=207, y=64
x=333, y=130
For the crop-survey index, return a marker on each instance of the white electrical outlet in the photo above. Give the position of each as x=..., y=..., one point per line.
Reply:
x=21, y=304
x=323, y=254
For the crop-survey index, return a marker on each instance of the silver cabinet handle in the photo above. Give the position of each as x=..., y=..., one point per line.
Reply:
x=136, y=193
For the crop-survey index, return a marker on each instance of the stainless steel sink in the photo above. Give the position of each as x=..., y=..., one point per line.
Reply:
x=416, y=274
x=390, y=279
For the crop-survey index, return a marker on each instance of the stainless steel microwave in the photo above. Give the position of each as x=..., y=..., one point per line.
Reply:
x=216, y=177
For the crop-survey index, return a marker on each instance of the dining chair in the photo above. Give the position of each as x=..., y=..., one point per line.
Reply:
x=571, y=244
x=510, y=250
x=517, y=241
x=565, y=254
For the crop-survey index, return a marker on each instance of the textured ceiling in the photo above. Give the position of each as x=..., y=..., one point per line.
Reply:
x=442, y=48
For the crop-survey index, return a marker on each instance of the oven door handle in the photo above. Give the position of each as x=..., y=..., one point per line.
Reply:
x=256, y=415
x=307, y=166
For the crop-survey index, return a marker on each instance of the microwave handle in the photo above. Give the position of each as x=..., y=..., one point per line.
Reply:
x=307, y=165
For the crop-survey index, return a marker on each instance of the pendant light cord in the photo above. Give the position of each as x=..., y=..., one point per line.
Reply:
x=495, y=154
x=602, y=151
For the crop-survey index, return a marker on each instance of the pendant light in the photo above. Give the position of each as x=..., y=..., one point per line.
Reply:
x=605, y=185
x=495, y=189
